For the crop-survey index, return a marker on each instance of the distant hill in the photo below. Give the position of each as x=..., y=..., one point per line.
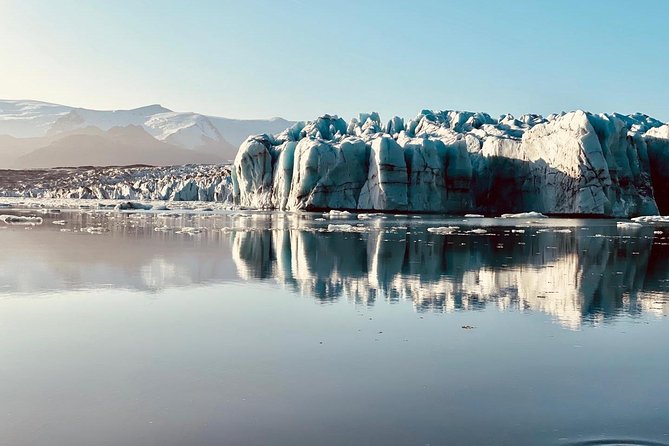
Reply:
x=32, y=126
x=117, y=146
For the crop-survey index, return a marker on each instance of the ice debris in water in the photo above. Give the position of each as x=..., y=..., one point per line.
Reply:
x=21, y=220
x=59, y=222
x=652, y=219
x=94, y=229
x=532, y=214
x=189, y=230
x=628, y=225
x=132, y=205
x=338, y=214
x=477, y=231
x=474, y=215
x=443, y=229
x=346, y=228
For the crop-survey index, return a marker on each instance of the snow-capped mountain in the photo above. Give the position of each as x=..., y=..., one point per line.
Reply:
x=42, y=123
x=29, y=119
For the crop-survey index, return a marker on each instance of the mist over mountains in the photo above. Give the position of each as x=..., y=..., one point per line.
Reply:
x=40, y=134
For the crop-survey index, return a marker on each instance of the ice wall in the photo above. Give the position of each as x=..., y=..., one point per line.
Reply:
x=459, y=162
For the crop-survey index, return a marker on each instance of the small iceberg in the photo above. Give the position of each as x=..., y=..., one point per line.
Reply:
x=189, y=230
x=652, y=219
x=477, y=231
x=338, y=214
x=443, y=230
x=628, y=225
x=525, y=215
x=21, y=220
x=346, y=228
x=94, y=229
x=132, y=205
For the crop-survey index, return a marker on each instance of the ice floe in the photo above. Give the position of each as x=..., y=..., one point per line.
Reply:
x=443, y=229
x=531, y=214
x=21, y=220
x=652, y=219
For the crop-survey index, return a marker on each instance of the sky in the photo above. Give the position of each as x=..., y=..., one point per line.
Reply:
x=302, y=58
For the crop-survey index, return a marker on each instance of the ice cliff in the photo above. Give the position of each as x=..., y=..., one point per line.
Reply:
x=459, y=162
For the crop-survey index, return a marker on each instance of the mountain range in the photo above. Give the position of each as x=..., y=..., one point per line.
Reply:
x=41, y=134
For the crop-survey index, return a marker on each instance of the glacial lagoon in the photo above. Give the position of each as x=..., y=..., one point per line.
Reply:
x=247, y=328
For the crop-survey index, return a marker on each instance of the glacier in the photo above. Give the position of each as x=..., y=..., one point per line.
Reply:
x=575, y=163
x=174, y=183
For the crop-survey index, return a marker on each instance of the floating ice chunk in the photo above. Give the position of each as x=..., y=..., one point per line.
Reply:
x=477, y=231
x=525, y=215
x=474, y=215
x=565, y=230
x=346, y=228
x=652, y=219
x=59, y=222
x=190, y=230
x=443, y=229
x=129, y=205
x=518, y=231
x=94, y=229
x=628, y=225
x=338, y=214
x=21, y=220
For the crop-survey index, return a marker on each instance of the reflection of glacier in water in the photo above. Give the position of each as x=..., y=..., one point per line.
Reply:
x=572, y=275
x=574, y=270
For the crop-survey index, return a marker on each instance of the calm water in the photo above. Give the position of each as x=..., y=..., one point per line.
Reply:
x=266, y=328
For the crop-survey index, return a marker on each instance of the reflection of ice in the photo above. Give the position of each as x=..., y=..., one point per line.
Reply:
x=573, y=274
x=567, y=275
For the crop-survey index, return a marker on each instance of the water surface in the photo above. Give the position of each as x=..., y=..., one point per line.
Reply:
x=170, y=328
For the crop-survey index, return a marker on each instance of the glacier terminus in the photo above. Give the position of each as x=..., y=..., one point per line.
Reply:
x=575, y=163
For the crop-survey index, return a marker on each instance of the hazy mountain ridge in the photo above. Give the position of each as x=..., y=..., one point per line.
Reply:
x=39, y=134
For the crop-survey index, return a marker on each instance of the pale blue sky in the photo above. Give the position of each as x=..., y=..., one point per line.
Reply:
x=301, y=58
